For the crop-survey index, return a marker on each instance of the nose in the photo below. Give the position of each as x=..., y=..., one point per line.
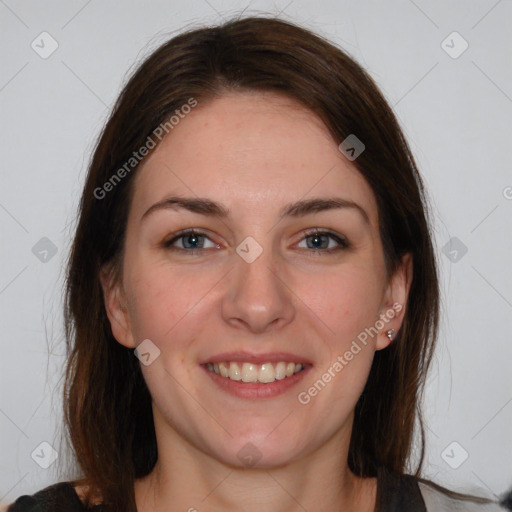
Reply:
x=257, y=297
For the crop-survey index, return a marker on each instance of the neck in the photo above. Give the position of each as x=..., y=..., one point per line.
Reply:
x=187, y=479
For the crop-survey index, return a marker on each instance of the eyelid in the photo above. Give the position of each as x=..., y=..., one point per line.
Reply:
x=184, y=232
x=340, y=239
x=323, y=231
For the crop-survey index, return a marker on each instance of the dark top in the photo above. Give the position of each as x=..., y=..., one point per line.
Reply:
x=394, y=494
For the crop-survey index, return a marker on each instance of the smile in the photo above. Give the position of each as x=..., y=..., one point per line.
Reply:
x=251, y=372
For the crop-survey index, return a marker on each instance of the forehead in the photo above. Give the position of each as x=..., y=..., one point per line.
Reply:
x=250, y=151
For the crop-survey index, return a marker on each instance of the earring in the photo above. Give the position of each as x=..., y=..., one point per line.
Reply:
x=390, y=333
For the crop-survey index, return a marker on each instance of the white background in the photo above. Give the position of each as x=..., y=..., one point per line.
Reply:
x=456, y=113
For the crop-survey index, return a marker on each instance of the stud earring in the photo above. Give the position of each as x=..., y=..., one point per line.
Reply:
x=390, y=333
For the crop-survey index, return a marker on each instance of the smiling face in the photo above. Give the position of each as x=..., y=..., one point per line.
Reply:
x=252, y=284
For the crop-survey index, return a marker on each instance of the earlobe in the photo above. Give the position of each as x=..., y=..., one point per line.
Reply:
x=116, y=309
x=396, y=297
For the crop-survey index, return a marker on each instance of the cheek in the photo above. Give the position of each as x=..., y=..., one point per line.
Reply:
x=166, y=301
x=352, y=308
x=157, y=302
x=347, y=301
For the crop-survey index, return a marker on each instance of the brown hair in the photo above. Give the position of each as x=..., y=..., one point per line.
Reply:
x=107, y=404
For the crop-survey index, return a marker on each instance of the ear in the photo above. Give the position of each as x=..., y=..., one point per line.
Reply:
x=116, y=308
x=395, y=300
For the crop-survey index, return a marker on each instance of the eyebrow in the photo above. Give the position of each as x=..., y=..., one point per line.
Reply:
x=300, y=208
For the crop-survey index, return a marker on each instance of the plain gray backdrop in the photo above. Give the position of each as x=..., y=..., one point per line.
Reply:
x=445, y=67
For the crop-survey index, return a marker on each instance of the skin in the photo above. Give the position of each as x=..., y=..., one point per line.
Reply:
x=252, y=152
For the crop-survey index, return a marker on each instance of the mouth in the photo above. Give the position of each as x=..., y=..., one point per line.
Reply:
x=247, y=372
x=251, y=376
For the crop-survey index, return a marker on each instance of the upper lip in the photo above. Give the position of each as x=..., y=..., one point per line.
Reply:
x=248, y=357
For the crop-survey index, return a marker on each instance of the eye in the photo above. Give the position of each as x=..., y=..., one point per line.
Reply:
x=190, y=240
x=320, y=240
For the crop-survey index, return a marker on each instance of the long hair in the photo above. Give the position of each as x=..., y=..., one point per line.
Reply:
x=107, y=405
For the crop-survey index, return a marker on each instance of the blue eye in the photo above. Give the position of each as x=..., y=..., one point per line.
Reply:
x=320, y=240
x=193, y=241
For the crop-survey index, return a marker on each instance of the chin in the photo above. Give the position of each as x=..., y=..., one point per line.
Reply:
x=258, y=452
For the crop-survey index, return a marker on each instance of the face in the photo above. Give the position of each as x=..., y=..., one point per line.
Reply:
x=253, y=288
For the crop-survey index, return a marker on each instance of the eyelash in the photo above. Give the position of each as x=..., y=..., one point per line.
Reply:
x=343, y=243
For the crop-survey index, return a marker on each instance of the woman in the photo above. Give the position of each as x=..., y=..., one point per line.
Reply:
x=252, y=292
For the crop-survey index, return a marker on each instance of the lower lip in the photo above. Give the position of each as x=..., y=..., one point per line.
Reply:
x=254, y=390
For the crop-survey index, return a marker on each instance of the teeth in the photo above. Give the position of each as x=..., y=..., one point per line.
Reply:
x=224, y=369
x=251, y=372
x=234, y=372
x=266, y=373
x=280, y=371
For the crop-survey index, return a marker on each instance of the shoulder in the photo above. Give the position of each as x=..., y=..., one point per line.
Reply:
x=439, y=499
x=60, y=496
x=408, y=493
